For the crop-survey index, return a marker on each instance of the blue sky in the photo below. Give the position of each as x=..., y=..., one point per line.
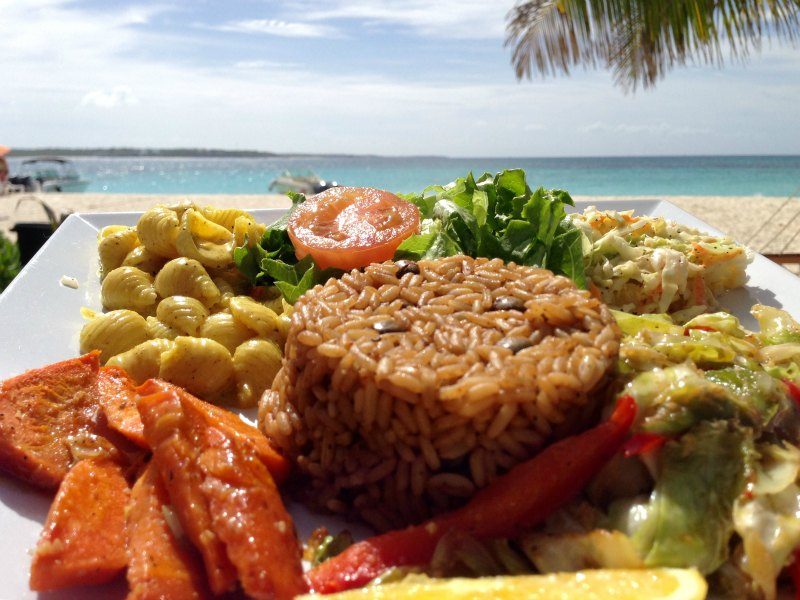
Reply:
x=394, y=77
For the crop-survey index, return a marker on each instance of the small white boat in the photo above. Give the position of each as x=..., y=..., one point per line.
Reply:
x=304, y=182
x=52, y=174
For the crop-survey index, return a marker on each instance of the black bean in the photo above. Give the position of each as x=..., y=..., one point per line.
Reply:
x=389, y=326
x=406, y=266
x=508, y=303
x=515, y=344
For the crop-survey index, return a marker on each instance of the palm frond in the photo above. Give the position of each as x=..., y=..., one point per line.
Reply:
x=641, y=40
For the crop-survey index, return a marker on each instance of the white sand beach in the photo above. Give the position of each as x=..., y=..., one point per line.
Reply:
x=766, y=224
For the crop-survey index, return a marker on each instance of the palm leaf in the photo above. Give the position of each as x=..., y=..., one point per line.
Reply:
x=642, y=40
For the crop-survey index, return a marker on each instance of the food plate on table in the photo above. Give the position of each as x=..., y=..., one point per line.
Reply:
x=40, y=316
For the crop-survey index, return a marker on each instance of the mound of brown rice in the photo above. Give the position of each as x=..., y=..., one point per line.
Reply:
x=409, y=385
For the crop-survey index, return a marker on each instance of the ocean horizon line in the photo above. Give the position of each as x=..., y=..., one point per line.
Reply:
x=160, y=153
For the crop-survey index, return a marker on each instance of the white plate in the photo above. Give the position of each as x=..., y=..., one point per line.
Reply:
x=40, y=321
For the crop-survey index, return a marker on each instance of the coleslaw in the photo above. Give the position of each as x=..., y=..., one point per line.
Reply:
x=643, y=264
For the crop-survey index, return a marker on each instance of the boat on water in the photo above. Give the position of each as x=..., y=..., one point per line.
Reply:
x=302, y=182
x=51, y=174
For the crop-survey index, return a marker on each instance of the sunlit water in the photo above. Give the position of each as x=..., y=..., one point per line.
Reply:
x=650, y=176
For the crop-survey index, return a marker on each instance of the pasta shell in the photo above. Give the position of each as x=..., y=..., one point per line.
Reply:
x=111, y=230
x=186, y=277
x=143, y=361
x=247, y=231
x=115, y=244
x=226, y=217
x=256, y=363
x=183, y=313
x=113, y=332
x=255, y=316
x=226, y=291
x=223, y=328
x=159, y=330
x=141, y=258
x=128, y=287
x=205, y=241
x=204, y=367
x=158, y=229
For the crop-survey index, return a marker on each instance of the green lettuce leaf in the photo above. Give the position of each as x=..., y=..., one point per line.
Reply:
x=273, y=261
x=498, y=217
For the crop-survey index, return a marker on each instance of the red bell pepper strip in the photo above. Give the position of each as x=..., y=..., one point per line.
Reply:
x=522, y=498
x=794, y=390
x=642, y=443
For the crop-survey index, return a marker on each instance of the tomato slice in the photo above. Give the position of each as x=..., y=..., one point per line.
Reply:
x=347, y=228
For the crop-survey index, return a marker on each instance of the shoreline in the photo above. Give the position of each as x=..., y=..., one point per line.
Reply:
x=771, y=225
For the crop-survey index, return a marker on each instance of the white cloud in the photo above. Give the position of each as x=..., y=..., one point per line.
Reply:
x=258, y=65
x=202, y=101
x=534, y=127
x=279, y=28
x=661, y=128
x=120, y=95
x=443, y=18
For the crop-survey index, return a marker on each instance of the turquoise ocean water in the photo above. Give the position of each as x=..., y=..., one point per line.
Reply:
x=643, y=176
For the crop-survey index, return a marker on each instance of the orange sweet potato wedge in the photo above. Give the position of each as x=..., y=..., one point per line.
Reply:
x=248, y=515
x=176, y=459
x=232, y=490
x=83, y=540
x=230, y=423
x=42, y=412
x=116, y=393
x=159, y=565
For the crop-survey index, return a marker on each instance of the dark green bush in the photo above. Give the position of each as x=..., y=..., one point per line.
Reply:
x=9, y=261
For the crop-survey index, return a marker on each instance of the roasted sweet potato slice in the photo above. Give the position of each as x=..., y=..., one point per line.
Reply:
x=231, y=488
x=231, y=424
x=116, y=393
x=176, y=458
x=248, y=515
x=159, y=565
x=83, y=540
x=48, y=416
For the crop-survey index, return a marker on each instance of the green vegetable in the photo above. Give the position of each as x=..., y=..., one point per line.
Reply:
x=719, y=321
x=495, y=217
x=756, y=393
x=498, y=217
x=704, y=348
x=777, y=326
x=331, y=545
x=633, y=324
x=687, y=521
x=272, y=261
x=674, y=399
x=9, y=261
